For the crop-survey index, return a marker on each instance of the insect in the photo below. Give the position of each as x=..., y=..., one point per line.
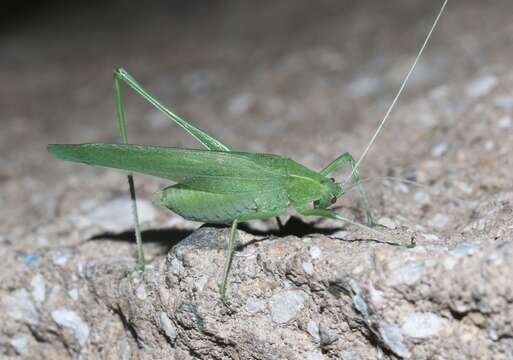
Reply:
x=218, y=185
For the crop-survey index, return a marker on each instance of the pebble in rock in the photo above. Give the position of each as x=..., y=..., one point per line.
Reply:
x=254, y=306
x=421, y=197
x=286, y=305
x=440, y=150
x=422, y=325
x=313, y=330
x=407, y=274
x=481, y=86
x=505, y=101
x=73, y=294
x=314, y=355
x=70, y=319
x=308, y=267
x=431, y=237
x=465, y=249
x=167, y=326
x=439, y=221
x=140, y=292
x=387, y=222
x=19, y=306
x=505, y=122
x=393, y=338
x=116, y=215
x=315, y=252
x=363, y=86
x=240, y=104
x=19, y=344
x=60, y=260
x=348, y=355
x=38, y=288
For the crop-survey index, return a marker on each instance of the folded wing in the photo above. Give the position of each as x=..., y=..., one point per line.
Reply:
x=214, y=171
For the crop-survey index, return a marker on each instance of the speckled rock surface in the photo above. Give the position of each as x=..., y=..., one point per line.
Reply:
x=311, y=84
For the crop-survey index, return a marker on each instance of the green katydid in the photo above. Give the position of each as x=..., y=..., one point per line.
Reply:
x=218, y=185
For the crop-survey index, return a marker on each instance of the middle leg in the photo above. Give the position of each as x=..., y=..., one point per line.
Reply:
x=228, y=261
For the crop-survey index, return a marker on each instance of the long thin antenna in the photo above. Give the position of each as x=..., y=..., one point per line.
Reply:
x=390, y=108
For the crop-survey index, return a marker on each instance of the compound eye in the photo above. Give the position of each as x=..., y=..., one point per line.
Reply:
x=333, y=199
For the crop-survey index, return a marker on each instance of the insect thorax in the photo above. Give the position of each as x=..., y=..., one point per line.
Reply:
x=305, y=186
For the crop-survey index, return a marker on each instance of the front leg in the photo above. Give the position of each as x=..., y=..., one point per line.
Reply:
x=333, y=215
x=336, y=164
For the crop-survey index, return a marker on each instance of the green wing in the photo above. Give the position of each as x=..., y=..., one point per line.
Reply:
x=213, y=171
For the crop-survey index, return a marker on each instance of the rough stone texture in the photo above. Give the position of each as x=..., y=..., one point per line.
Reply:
x=311, y=83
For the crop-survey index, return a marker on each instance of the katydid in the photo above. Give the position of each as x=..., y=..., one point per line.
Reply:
x=218, y=185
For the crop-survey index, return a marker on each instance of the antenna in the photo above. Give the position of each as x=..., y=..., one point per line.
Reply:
x=403, y=85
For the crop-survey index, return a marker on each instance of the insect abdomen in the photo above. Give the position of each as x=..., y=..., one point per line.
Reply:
x=218, y=208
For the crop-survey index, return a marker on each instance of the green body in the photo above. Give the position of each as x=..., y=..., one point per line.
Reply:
x=214, y=186
x=217, y=185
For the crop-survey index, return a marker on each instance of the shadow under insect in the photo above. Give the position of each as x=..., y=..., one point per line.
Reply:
x=169, y=237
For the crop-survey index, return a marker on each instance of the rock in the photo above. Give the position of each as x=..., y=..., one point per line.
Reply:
x=19, y=344
x=141, y=292
x=348, y=355
x=363, y=86
x=314, y=355
x=157, y=120
x=38, y=288
x=327, y=336
x=70, y=319
x=505, y=102
x=431, y=237
x=481, y=86
x=286, y=305
x=504, y=122
x=387, y=222
x=439, y=221
x=439, y=149
x=60, y=259
x=375, y=296
x=489, y=145
x=167, y=326
x=313, y=330
x=308, y=267
x=393, y=339
x=422, y=325
x=422, y=198
x=341, y=234
x=73, y=294
x=315, y=252
x=19, y=306
x=254, y=305
x=465, y=249
x=116, y=216
x=408, y=274
x=240, y=104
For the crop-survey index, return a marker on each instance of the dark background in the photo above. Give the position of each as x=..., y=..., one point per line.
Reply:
x=295, y=77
